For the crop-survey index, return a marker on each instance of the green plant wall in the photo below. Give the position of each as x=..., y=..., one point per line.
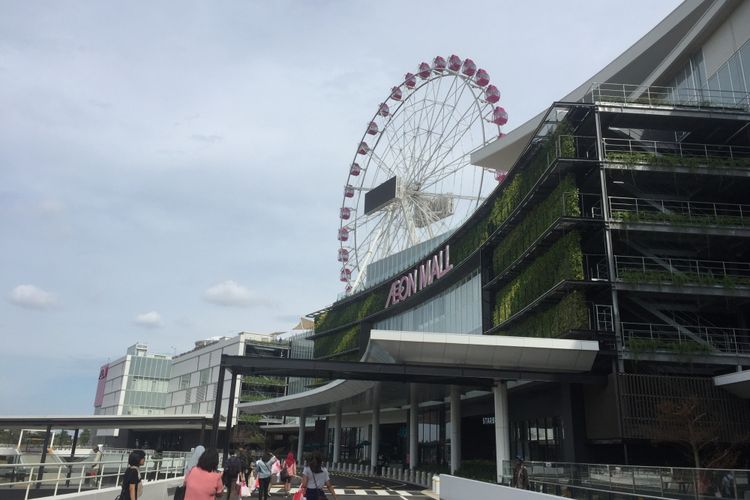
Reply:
x=356, y=310
x=562, y=261
x=569, y=314
x=336, y=342
x=563, y=201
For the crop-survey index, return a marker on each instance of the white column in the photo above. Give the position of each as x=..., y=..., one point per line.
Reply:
x=375, y=436
x=337, y=435
x=455, y=400
x=502, y=436
x=301, y=436
x=413, y=432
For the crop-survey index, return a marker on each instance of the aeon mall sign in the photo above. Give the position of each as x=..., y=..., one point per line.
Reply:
x=420, y=277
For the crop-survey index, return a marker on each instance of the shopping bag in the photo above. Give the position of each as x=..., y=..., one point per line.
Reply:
x=299, y=495
x=244, y=490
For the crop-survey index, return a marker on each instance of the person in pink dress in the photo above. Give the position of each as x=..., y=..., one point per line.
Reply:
x=203, y=482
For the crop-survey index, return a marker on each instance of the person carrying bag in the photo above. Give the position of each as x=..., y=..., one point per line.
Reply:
x=314, y=477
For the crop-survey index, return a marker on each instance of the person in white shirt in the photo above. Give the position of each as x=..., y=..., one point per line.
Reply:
x=314, y=477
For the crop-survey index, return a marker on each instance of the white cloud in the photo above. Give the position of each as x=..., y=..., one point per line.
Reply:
x=232, y=294
x=32, y=297
x=148, y=320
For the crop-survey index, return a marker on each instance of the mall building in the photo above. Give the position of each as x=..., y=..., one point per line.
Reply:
x=141, y=383
x=605, y=281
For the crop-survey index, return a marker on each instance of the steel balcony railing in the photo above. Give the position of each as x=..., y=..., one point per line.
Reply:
x=633, y=481
x=678, y=212
x=664, y=337
x=674, y=153
x=658, y=96
x=636, y=268
x=55, y=478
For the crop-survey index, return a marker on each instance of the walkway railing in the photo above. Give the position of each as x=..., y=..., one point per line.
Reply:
x=631, y=151
x=658, y=96
x=678, y=212
x=654, y=482
x=54, y=478
x=651, y=336
x=638, y=269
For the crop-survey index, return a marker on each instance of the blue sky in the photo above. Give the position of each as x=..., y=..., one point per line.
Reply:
x=171, y=171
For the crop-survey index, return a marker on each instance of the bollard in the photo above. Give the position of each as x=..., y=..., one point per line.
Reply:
x=436, y=484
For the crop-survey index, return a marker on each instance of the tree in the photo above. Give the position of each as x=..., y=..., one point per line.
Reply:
x=691, y=424
x=84, y=437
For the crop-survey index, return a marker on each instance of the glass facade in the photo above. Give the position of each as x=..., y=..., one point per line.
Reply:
x=433, y=427
x=732, y=76
x=148, y=385
x=457, y=310
x=537, y=439
x=379, y=271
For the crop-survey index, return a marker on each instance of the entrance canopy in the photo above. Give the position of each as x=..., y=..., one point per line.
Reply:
x=427, y=358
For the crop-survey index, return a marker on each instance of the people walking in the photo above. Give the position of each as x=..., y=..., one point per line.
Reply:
x=263, y=473
x=203, y=482
x=520, y=474
x=314, y=477
x=232, y=476
x=288, y=470
x=132, y=486
x=93, y=473
x=192, y=460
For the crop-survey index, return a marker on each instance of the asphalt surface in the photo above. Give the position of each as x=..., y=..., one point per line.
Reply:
x=351, y=487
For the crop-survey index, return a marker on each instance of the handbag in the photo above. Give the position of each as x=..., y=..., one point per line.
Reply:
x=179, y=492
x=321, y=495
x=284, y=474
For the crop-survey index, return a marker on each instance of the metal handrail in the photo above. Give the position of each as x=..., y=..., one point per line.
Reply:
x=660, y=96
x=683, y=269
x=686, y=150
x=660, y=482
x=725, y=340
x=652, y=209
x=81, y=474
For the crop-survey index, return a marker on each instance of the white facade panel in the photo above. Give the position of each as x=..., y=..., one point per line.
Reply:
x=727, y=39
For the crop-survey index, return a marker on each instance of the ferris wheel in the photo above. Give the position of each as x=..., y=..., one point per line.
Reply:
x=411, y=179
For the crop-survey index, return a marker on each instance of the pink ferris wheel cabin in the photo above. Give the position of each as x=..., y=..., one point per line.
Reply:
x=343, y=255
x=410, y=80
x=491, y=94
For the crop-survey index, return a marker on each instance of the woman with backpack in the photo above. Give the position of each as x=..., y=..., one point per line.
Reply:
x=288, y=470
x=233, y=477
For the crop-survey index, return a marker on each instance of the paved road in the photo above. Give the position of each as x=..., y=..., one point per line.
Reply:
x=351, y=487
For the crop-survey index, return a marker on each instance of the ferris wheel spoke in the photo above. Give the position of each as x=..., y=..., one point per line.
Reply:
x=426, y=164
x=436, y=116
x=442, y=149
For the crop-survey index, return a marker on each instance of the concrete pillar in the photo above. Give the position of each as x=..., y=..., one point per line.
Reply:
x=375, y=435
x=337, y=435
x=413, y=429
x=455, y=400
x=301, y=436
x=502, y=434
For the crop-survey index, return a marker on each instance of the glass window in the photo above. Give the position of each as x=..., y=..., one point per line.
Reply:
x=745, y=64
x=735, y=73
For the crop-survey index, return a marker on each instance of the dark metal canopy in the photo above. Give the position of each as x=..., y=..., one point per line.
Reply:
x=393, y=372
